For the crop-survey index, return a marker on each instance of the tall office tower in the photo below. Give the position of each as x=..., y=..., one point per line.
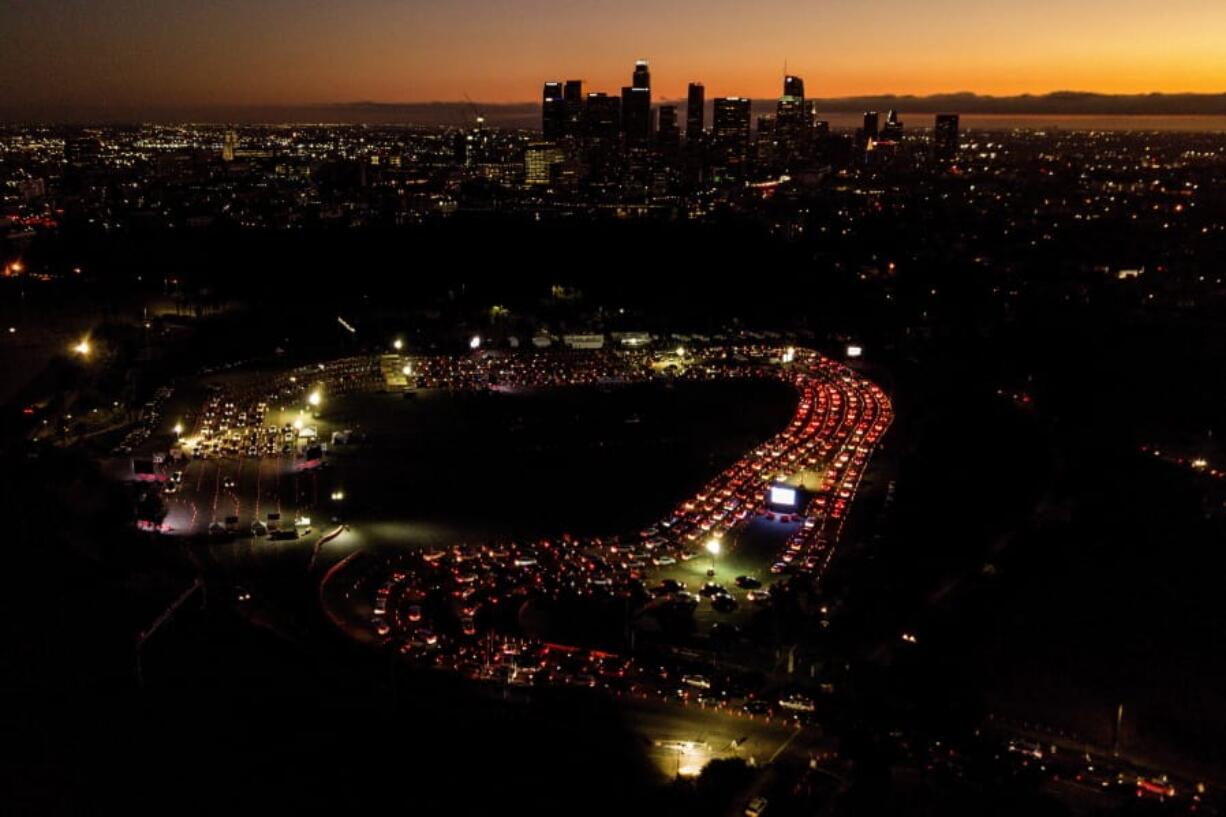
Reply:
x=694, y=115
x=794, y=87
x=572, y=96
x=642, y=76
x=668, y=133
x=229, y=143
x=602, y=121
x=870, y=125
x=792, y=123
x=767, y=148
x=540, y=159
x=603, y=116
x=730, y=132
x=892, y=132
x=636, y=114
x=636, y=105
x=945, y=137
x=553, y=111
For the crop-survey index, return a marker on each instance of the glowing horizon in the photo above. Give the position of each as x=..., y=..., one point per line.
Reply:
x=175, y=52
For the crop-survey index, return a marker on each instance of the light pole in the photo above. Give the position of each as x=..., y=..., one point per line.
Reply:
x=713, y=546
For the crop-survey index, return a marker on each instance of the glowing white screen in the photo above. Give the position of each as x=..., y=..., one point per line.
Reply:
x=783, y=496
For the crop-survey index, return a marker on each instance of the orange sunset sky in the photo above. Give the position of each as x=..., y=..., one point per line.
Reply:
x=177, y=52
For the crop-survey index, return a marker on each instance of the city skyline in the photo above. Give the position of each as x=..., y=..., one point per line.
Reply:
x=153, y=55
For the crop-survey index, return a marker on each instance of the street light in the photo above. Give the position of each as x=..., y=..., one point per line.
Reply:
x=475, y=343
x=398, y=344
x=83, y=348
x=178, y=429
x=713, y=547
x=407, y=370
x=314, y=399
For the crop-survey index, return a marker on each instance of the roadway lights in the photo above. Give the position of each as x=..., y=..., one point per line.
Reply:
x=713, y=547
x=178, y=429
x=475, y=343
x=398, y=344
x=314, y=399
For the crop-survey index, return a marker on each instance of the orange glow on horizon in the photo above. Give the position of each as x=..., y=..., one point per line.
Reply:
x=175, y=52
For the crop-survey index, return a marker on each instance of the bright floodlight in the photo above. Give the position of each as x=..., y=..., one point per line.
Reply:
x=82, y=348
x=178, y=429
x=407, y=370
x=314, y=398
x=713, y=546
x=475, y=343
x=298, y=423
x=854, y=350
x=398, y=344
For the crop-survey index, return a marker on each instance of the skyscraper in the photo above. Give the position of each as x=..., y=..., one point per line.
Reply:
x=553, y=111
x=694, y=114
x=636, y=105
x=572, y=96
x=603, y=116
x=540, y=158
x=636, y=114
x=730, y=132
x=945, y=137
x=892, y=132
x=794, y=87
x=668, y=134
x=792, y=123
x=642, y=76
x=870, y=125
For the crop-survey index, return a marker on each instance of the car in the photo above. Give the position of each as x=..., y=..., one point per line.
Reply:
x=724, y=631
x=712, y=589
x=699, y=681
x=724, y=603
x=381, y=626
x=758, y=596
x=747, y=582
x=755, y=807
x=414, y=612
x=468, y=626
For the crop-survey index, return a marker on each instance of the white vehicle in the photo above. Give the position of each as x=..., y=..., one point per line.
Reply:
x=797, y=703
